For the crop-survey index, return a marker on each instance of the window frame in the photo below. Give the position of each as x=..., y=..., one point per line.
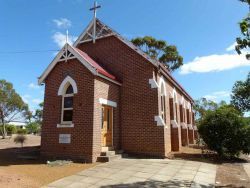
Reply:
x=64, y=109
x=163, y=104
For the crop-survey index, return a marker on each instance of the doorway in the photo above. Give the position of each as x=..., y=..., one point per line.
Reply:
x=107, y=126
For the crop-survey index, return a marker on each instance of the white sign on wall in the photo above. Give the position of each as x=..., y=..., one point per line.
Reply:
x=64, y=138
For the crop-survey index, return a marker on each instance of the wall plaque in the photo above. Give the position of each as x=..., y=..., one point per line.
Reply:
x=64, y=138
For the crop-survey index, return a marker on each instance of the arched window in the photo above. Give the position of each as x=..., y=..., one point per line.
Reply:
x=67, y=104
x=175, y=107
x=163, y=103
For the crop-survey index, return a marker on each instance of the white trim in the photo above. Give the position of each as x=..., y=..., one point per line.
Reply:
x=57, y=59
x=83, y=33
x=67, y=80
x=107, y=102
x=153, y=83
x=174, y=124
x=78, y=56
x=190, y=126
x=181, y=101
x=102, y=76
x=162, y=82
x=189, y=106
x=195, y=128
x=159, y=121
x=183, y=125
x=65, y=125
x=175, y=97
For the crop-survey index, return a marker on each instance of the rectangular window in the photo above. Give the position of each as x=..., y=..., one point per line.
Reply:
x=68, y=102
x=163, y=111
x=181, y=113
x=67, y=115
x=176, y=112
x=67, y=109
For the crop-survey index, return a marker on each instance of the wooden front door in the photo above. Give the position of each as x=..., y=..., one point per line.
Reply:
x=107, y=125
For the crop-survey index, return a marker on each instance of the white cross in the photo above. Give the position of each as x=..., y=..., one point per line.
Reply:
x=94, y=28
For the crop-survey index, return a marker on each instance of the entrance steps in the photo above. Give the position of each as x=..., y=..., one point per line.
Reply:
x=109, y=154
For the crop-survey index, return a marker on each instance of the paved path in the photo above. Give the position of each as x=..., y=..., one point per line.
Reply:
x=149, y=173
x=247, y=168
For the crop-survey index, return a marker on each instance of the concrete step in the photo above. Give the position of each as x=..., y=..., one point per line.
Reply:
x=104, y=149
x=104, y=159
x=108, y=153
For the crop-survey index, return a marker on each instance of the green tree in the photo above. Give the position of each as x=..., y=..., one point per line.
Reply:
x=244, y=41
x=240, y=96
x=39, y=114
x=33, y=127
x=160, y=50
x=28, y=114
x=203, y=105
x=11, y=104
x=225, y=131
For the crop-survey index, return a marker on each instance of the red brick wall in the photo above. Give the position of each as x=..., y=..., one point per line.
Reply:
x=81, y=141
x=107, y=90
x=184, y=137
x=174, y=139
x=191, y=136
x=138, y=101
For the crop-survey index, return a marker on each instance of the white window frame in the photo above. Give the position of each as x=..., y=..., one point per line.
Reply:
x=62, y=92
x=163, y=106
x=158, y=118
x=63, y=109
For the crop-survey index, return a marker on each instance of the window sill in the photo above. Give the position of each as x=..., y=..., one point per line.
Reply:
x=160, y=121
x=174, y=124
x=184, y=125
x=190, y=126
x=64, y=125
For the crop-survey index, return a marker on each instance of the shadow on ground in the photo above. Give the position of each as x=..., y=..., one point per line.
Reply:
x=20, y=156
x=211, y=158
x=157, y=184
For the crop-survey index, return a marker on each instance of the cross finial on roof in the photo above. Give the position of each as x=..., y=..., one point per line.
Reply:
x=67, y=36
x=94, y=28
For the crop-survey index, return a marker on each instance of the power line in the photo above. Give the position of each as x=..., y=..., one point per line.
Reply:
x=27, y=51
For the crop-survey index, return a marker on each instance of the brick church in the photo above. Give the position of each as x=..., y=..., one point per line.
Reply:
x=103, y=92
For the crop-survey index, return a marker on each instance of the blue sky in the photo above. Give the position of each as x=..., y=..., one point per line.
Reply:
x=203, y=31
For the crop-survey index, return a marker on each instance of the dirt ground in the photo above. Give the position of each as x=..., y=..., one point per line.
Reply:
x=230, y=173
x=30, y=173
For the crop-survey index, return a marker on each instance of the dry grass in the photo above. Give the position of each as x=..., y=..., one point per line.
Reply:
x=15, y=172
x=230, y=172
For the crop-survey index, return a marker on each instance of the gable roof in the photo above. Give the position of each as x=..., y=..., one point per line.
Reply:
x=69, y=52
x=103, y=31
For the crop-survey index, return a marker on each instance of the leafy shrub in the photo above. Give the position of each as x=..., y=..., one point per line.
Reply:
x=33, y=127
x=22, y=131
x=20, y=139
x=246, y=140
x=11, y=129
x=225, y=131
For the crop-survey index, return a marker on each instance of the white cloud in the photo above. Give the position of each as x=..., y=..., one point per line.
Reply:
x=26, y=98
x=215, y=63
x=63, y=23
x=231, y=47
x=60, y=39
x=218, y=95
x=37, y=101
x=33, y=86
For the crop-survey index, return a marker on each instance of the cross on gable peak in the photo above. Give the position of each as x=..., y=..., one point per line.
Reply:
x=94, y=28
x=95, y=7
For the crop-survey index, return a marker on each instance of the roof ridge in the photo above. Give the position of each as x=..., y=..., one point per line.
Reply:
x=155, y=62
